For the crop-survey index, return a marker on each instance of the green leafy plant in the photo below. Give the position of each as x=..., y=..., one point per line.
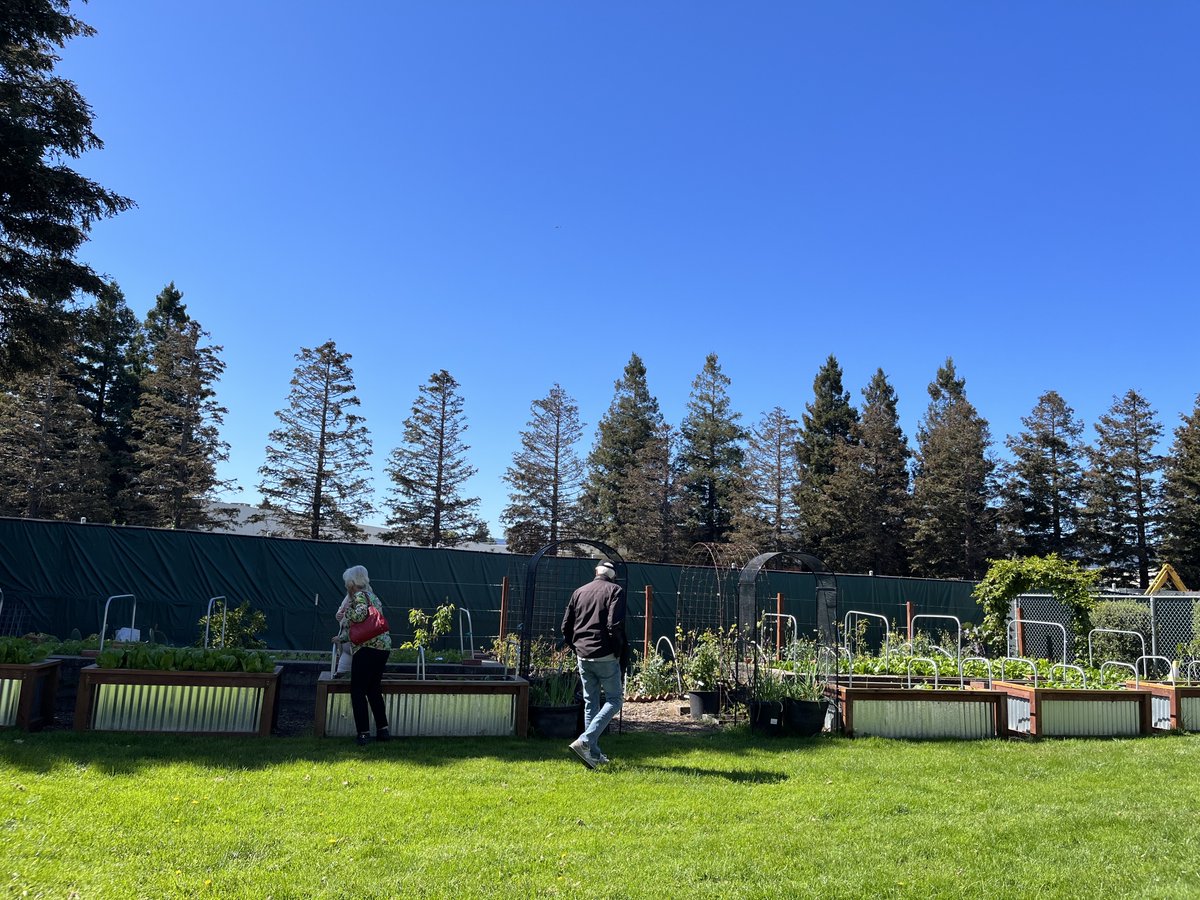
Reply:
x=185, y=659
x=554, y=689
x=242, y=626
x=654, y=676
x=1007, y=579
x=705, y=659
x=21, y=651
x=426, y=628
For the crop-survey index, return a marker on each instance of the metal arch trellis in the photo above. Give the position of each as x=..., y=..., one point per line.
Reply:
x=750, y=605
x=708, y=587
x=550, y=579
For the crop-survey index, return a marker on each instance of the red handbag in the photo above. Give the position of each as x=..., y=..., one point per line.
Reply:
x=371, y=627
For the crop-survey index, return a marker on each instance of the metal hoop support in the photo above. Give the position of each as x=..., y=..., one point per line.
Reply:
x=104, y=622
x=1136, y=634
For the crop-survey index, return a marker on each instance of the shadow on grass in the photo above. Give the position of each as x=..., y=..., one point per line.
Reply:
x=120, y=753
x=752, y=776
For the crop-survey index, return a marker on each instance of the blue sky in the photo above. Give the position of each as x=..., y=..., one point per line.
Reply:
x=527, y=192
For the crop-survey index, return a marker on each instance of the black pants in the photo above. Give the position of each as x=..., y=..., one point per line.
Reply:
x=366, y=674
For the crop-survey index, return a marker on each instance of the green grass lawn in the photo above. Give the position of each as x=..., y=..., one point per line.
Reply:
x=725, y=815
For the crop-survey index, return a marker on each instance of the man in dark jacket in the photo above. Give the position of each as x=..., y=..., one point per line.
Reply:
x=594, y=627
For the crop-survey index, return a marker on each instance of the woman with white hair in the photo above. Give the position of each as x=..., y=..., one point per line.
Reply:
x=370, y=658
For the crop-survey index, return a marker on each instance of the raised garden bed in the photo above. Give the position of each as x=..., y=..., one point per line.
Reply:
x=921, y=713
x=185, y=702
x=27, y=694
x=1072, y=712
x=1173, y=706
x=450, y=706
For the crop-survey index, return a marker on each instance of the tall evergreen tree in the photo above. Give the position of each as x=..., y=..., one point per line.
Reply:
x=954, y=522
x=1181, y=500
x=315, y=479
x=51, y=455
x=1042, y=487
x=46, y=208
x=625, y=429
x=545, y=476
x=770, y=519
x=827, y=423
x=650, y=499
x=712, y=458
x=109, y=386
x=176, y=435
x=1121, y=515
x=867, y=513
x=429, y=470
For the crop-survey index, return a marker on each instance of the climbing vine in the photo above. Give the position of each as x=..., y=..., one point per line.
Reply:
x=1007, y=579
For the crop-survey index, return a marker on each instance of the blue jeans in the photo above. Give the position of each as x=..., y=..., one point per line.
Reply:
x=599, y=677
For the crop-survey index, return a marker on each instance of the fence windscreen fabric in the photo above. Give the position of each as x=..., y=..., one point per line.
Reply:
x=57, y=576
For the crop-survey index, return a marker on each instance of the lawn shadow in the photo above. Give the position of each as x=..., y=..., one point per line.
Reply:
x=753, y=776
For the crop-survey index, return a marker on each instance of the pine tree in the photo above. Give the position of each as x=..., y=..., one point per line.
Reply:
x=954, y=531
x=867, y=513
x=109, y=386
x=1181, y=500
x=650, y=498
x=545, y=476
x=1042, y=487
x=429, y=470
x=712, y=459
x=51, y=455
x=315, y=479
x=827, y=422
x=1121, y=514
x=770, y=520
x=624, y=431
x=176, y=435
x=46, y=208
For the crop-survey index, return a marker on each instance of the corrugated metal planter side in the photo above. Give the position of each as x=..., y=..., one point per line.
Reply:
x=183, y=702
x=1063, y=712
x=27, y=694
x=1174, y=706
x=443, y=708
x=916, y=714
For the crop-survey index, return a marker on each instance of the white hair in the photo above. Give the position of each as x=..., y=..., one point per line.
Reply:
x=607, y=570
x=356, y=577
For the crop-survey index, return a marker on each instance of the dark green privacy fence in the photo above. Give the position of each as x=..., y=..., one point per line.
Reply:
x=56, y=576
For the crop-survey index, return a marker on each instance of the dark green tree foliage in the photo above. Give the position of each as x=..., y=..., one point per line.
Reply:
x=712, y=459
x=51, y=455
x=1121, y=514
x=629, y=424
x=176, y=434
x=315, y=478
x=1181, y=501
x=954, y=530
x=109, y=385
x=46, y=208
x=827, y=421
x=867, y=510
x=650, y=498
x=769, y=521
x=545, y=477
x=429, y=470
x=1042, y=487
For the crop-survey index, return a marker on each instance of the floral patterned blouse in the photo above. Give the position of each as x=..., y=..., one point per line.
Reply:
x=358, y=611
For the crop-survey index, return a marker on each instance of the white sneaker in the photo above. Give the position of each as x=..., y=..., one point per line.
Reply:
x=599, y=756
x=581, y=749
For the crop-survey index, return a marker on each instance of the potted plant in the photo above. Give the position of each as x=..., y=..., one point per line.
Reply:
x=804, y=705
x=700, y=668
x=767, y=695
x=554, y=709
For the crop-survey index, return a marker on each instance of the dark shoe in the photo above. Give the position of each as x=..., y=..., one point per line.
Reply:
x=383, y=735
x=364, y=738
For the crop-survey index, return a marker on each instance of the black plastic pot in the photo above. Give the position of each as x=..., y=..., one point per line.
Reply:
x=766, y=717
x=556, y=721
x=704, y=703
x=803, y=718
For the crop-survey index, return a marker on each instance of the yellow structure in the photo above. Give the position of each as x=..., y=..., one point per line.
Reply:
x=1165, y=574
